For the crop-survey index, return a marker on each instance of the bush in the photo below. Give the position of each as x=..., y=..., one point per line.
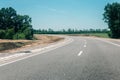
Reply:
x=2, y=34
x=9, y=33
x=19, y=36
x=28, y=33
x=110, y=34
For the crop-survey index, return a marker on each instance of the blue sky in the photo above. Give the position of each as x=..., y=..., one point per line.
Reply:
x=61, y=14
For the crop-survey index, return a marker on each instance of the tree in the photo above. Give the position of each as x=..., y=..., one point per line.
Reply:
x=9, y=33
x=112, y=17
x=7, y=16
x=15, y=26
x=2, y=34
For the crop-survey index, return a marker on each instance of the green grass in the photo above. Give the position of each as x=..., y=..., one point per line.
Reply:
x=103, y=35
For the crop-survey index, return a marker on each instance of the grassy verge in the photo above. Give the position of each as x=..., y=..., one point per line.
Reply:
x=102, y=35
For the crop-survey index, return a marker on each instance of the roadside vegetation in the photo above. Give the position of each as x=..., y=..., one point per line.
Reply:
x=112, y=18
x=101, y=35
x=16, y=45
x=14, y=26
x=74, y=32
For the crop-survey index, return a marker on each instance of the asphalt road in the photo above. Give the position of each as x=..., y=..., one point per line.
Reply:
x=82, y=59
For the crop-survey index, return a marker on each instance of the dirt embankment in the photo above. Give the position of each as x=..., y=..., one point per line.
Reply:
x=16, y=45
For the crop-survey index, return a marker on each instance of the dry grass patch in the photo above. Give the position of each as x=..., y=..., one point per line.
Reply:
x=16, y=45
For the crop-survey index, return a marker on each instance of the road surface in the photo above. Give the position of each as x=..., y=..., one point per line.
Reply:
x=83, y=59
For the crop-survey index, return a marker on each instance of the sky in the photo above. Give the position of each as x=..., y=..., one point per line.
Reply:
x=61, y=14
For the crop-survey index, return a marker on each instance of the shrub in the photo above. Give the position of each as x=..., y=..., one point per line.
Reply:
x=19, y=36
x=2, y=34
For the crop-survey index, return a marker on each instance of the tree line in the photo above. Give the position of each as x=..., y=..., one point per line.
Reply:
x=69, y=31
x=14, y=26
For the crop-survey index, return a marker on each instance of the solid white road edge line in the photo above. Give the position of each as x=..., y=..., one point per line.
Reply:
x=32, y=55
x=85, y=45
x=110, y=42
x=80, y=53
x=12, y=56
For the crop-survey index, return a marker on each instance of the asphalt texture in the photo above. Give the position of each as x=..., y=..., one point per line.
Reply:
x=83, y=59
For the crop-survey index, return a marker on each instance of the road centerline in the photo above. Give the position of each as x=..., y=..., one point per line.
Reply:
x=85, y=45
x=80, y=53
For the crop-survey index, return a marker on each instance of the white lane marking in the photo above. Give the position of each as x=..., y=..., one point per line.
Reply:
x=13, y=56
x=38, y=53
x=80, y=53
x=110, y=42
x=85, y=45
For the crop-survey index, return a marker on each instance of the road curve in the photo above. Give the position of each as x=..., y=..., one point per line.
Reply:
x=83, y=59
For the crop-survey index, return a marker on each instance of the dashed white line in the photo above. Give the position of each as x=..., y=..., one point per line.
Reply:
x=85, y=45
x=80, y=53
